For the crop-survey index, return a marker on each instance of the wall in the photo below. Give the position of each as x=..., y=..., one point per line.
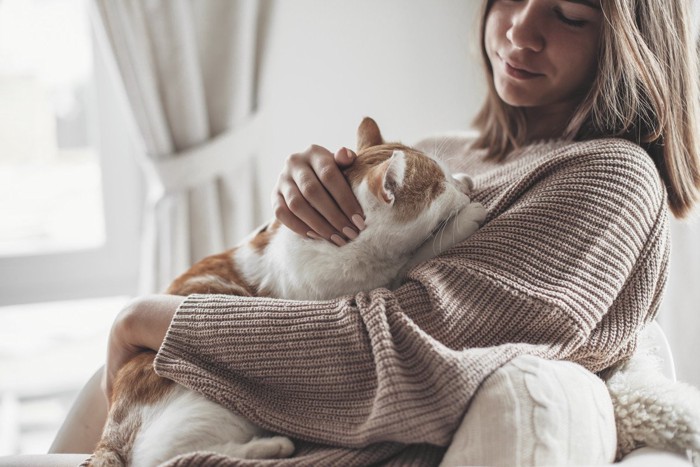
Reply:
x=328, y=63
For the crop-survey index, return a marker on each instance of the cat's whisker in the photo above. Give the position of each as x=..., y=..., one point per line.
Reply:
x=443, y=226
x=440, y=148
x=441, y=231
x=456, y=226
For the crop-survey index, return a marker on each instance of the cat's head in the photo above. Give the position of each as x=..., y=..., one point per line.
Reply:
x=400, y=186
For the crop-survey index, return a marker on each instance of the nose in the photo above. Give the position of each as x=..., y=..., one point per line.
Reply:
x=524, y=30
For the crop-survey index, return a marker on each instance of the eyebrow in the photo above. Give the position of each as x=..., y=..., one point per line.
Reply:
x=587, y=3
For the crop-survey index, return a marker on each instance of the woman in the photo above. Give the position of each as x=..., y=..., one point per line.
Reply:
x=569, y=265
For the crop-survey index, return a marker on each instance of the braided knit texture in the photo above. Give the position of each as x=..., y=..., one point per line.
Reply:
x=570, y=264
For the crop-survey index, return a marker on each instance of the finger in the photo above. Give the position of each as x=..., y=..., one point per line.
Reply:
x=292, y=222
x=344, y=157
x=339, y=188
x=305, y=213
x=311, y=184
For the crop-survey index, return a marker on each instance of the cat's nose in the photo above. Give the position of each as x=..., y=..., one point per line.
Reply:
x=465, y=182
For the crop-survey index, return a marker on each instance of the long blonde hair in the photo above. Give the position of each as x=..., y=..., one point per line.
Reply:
x=646, y=91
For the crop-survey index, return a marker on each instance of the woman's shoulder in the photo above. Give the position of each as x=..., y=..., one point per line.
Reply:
x=616, y=149
x=607, y=173
x=614, y=162
x=621, y=161
x=601, y=172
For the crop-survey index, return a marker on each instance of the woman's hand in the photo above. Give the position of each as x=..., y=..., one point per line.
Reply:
x=139, y=327
x=313, y=198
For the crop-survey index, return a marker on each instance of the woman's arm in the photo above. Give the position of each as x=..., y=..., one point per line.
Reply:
x=139, y=327
x=569, y=265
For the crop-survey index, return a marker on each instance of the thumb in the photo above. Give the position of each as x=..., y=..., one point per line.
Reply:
x=344, y=157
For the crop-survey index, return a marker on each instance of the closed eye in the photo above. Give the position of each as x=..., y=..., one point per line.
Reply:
x=571, y=22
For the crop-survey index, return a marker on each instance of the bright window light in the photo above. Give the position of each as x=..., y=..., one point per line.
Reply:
x=50, y=187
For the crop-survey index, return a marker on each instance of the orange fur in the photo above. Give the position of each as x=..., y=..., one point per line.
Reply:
x=423, y=176
x=220, y=266
x=137, y=383
x=262, y=239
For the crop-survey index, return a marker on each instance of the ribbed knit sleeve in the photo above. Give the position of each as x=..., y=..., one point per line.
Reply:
x=570, y=264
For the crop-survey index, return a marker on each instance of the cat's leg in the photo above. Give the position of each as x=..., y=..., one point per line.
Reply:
x=275, y=447
x=457, y=229
x=186, y=421
x=137, y=389
x=114, y=449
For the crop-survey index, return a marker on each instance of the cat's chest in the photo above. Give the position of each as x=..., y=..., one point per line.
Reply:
x=296, y=268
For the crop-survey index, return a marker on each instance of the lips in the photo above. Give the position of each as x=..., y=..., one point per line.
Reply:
x=517, y=71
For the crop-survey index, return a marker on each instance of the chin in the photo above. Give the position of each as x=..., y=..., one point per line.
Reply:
x=518, y=100
x=517, y=97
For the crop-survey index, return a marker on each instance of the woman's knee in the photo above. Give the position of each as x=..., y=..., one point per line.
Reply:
x=533, y=411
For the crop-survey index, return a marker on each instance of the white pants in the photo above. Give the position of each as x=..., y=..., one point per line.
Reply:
x=537, y=412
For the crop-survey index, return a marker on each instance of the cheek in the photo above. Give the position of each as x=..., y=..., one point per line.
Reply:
x=577, y=64
x=493, y=31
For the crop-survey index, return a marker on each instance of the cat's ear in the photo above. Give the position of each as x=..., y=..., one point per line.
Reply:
x=368, y=134
x=389, y=177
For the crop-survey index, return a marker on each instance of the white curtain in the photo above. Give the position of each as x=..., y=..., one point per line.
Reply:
x=189, y=71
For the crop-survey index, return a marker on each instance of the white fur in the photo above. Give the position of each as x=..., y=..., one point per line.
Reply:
x=653, y=410
x=298, y=268
x=397, y=168
x=458, y=228
x=210, y=427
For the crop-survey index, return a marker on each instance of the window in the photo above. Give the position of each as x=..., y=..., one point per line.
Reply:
x=69, y=188
x=70, y=209
x=50, y=190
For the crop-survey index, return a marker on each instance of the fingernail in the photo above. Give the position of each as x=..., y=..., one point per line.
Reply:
x=312, y=234
x=351, y=234
x=359, y=221
x=337, y=240
x=351, y=155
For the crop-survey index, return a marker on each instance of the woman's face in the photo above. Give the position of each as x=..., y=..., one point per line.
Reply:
x=543, y=52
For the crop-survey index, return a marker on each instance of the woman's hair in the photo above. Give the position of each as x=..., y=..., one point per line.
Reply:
x=646, y=91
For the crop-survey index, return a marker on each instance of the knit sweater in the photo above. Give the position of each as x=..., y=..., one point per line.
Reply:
x=570, y=264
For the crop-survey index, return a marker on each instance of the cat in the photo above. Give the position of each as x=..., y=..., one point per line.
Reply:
x=406, y=196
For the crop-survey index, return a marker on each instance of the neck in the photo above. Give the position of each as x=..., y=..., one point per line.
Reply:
x=548, y=122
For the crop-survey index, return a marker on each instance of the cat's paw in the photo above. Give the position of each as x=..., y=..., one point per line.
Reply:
x=465, y=180
x=276, y=447
x=477, y=212
x=467, y=221
x=104, y=458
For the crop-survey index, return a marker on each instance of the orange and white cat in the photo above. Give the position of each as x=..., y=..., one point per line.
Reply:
x=407, y=197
